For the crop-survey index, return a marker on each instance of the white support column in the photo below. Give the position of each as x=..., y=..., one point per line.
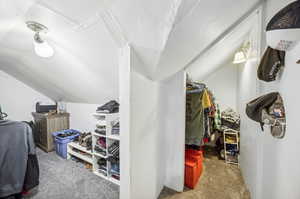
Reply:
x=124, y=84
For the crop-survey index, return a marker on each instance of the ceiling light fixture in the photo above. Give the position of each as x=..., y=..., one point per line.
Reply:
x=41, y=47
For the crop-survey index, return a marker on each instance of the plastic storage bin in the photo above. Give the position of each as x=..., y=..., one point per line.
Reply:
x=61, y=143
x=193, y=167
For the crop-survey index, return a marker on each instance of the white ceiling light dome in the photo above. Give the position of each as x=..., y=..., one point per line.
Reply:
x=41, y=46
x=283, y=30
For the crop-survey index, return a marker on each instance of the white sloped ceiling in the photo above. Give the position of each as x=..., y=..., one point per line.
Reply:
x=200, y=29
x=86, y=35
x=84, y=67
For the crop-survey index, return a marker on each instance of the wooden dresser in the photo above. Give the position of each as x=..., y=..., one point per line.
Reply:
x=46, y=124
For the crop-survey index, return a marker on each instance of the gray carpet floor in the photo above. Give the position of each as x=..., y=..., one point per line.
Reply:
x=66, y=179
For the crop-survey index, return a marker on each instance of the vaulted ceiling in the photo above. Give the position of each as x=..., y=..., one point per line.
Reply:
x=86, y=35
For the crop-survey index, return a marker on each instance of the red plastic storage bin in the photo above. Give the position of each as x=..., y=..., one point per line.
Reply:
x=193, y=167
x=190, y=177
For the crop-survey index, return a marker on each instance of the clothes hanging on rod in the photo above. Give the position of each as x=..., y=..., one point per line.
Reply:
x=202, y=114
x=194, y=119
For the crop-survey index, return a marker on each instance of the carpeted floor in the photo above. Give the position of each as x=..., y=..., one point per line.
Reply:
x=218, y=181
x=66, y=179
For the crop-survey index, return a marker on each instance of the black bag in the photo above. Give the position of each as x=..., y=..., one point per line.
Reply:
x=270, y=64
x=45, y=108
x=255, y=108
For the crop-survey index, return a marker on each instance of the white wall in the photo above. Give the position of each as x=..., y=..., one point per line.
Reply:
x=223, y=84
x=281, y=174
x=146, y=142
x=172, y=114
x=81, y=117
x=152, y=118
x=250, y=134
x=17, y=99
x=251, y=138
x=271, y=166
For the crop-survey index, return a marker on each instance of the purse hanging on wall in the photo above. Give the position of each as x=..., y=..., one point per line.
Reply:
x=269, y=110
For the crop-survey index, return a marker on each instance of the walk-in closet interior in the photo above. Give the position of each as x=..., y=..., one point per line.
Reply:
x=137, y=99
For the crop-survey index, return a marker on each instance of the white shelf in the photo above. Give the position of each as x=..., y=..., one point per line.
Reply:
x=107, y=120
x=99, y=135
x=227, y=133
x=81, y=148
x=231, y=143
x=100, y=175
x=230, y=133
x=99, y=155
x=106, y=114
x=115, y=181
x=114, y=137
x=80, y=156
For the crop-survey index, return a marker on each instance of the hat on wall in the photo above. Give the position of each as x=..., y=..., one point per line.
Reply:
x=270, y=64
x=269, y=110
x=283, y=30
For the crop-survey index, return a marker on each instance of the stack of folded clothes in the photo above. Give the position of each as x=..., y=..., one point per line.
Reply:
x=115, y=127
x=110, y=107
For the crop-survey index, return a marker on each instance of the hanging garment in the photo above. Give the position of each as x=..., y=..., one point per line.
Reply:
x=272, y=61
x=16, y=143
x=206, y=100
x=217, y=118
x=194, y=119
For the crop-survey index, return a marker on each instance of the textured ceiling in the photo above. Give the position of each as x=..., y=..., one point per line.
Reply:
x=86, y=35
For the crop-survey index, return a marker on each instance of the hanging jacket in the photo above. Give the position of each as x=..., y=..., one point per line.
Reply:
x=206, y=100
x=16, y=143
